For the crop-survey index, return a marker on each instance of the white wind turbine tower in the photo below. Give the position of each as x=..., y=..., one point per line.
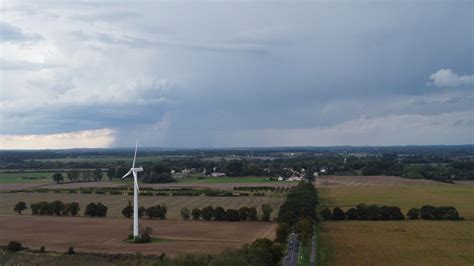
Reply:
x=136, y=191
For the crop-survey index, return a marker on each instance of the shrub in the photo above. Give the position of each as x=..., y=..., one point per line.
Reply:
x=185, y=213
x=413, y=213
x=91, y=209
x=141, y=211
x=282, y=232
x=70, y=251
x=96, y=210
x=266, y=212
x=42, y=249
x=128, y=210
x=156, y=212
x=14, y=246
x=304, y=228
x=56, y=207
x=429, y=212
x=244, y=213
x=352, y=214
x=338, y=214
x=20, y=206
x=252, y=212
x=326, y=214
x=196, y=213
x=232, y=215
x=207, y=213
x=219, y=214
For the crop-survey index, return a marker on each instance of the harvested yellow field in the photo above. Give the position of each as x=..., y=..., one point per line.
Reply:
x=116, y=203
x=405, y=197
x=398, y=242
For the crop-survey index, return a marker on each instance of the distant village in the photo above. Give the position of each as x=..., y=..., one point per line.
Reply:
x=291, y=174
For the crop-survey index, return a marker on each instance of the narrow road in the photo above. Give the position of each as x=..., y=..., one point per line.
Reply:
x=291, y=258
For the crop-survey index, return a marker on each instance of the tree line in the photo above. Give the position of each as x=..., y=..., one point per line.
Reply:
x=374, y=212
x=56, y=207
x=150, y=212
x=79, y=176
x=60, y=208
x=298, y=213
x=210, y=213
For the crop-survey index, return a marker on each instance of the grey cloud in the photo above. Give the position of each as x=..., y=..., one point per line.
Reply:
x=23, y=65
x=10, y=33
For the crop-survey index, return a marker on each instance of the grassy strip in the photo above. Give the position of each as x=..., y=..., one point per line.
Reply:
x=323, y=249
x=304, y=254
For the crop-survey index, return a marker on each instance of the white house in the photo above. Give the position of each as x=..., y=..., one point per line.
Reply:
x=217, y=174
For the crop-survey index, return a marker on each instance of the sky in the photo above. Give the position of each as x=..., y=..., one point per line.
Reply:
x=204, y=74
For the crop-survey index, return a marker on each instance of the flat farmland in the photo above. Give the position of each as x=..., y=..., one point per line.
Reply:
x=370, y=181
x=107, y=234
x=405, y=197
x=116, y=203
x=18, y=177
x=398, y=242
x=408, y=242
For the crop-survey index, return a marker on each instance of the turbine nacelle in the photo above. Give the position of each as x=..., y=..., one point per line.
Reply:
x=137, y=169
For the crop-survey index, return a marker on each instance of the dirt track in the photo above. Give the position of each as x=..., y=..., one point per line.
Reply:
x=108, y=234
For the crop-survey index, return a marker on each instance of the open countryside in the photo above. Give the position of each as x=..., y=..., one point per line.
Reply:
x=236, y=133
x=408, y=242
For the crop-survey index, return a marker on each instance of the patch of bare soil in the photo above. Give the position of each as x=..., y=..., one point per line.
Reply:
x=107, y=234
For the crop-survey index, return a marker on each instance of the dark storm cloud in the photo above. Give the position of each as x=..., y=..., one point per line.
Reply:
x=249, y=70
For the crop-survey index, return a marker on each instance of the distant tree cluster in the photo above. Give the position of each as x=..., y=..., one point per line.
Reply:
x=428, y=212
x=154, y=177
x=364, y=212
x=210, y=213
x=151, y=212
x=56, y=207
x=382, y=213
x=84, y=175
x=96, y=210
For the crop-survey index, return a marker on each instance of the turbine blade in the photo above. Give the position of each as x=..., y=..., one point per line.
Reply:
x=135, y=181
x=135, y=156
x=138, y=189
x=127, y=174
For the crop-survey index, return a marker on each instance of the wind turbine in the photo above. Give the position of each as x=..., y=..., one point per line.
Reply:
x=134, y=170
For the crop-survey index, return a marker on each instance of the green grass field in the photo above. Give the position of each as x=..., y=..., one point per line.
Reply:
x=17, y=178
x=102, y=159
x=408, y=242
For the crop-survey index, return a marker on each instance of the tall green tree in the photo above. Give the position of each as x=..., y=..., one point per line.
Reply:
x=266, y=212
x=20, y=206
x=58, y=177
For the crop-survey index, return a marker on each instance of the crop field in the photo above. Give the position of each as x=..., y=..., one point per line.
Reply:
x=116, y=203
x=369, y=181
x=405, y=197
x=101, y=159
x=398, y=242
x=25, y=177
x=108, y=234
x=408, y=242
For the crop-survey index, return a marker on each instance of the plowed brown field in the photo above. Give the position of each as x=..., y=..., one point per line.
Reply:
x=108, y=234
